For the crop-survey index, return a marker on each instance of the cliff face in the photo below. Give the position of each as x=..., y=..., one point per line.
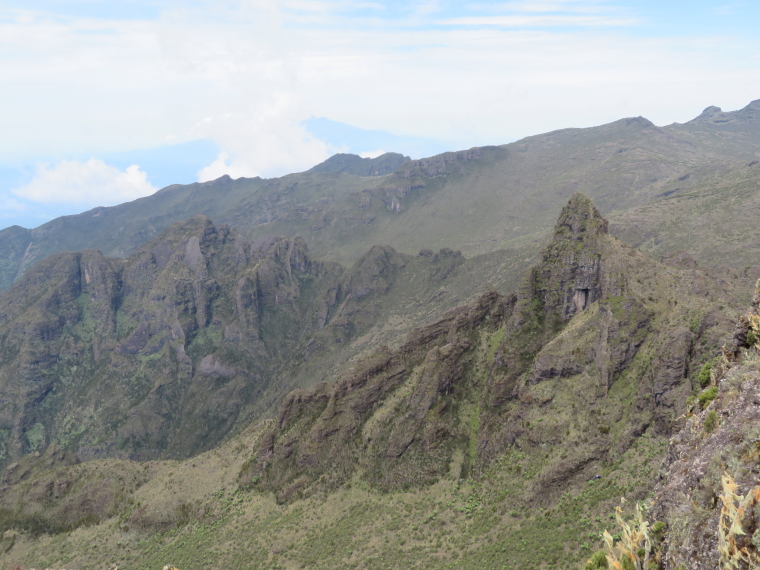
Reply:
x=160, y=353
x=195, y=335
x=598, y=346
x=709, y=523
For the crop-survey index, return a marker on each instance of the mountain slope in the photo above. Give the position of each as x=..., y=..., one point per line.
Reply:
x=706, y=499
x=595, y=322
x=714, y=218
x=476, y=201
x=199, y=332
x=353, y=164
x=496, y=436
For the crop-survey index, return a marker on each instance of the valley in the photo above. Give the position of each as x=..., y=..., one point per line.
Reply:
x=463, y=361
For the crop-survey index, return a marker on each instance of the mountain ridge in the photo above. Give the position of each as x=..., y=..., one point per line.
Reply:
x=362, y=166
x=626, y=164
x=583, y=268
x=235, y=398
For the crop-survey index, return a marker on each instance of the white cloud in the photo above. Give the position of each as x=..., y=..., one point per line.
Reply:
x=537, y=21
x=266, y=141
x=11, y=206
x=372, y=153
x=581, y=6
x=91, y=183
x=220, y=167
x=255, y=69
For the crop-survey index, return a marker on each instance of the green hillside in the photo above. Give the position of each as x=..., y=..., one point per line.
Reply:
x=386, y=363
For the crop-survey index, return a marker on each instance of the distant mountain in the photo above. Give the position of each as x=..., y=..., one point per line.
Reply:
x=710, y=212
x=353, y=164
x=715, y=116
x=477, y=201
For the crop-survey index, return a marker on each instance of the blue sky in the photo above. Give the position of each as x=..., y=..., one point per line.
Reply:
x=107, y=101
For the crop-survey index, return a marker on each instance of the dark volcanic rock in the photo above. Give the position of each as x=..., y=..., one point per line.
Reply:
x=195, y=335
x=723, y=439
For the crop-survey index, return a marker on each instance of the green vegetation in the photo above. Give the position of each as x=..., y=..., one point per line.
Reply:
x=711, y=421
x=499, y=435
x=704, y=375
x=192, y=514
x=706, y=396
x=35, y=437
x=597, y=562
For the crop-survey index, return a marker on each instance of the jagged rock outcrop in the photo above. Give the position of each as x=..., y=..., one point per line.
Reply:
x=324, y=432
x=595, y=348
x=193, y=336
x=158, y=353
x=446, y=163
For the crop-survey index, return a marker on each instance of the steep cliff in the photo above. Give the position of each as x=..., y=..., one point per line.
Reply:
x=161, y=353
x=598, y=346
x=197, y=333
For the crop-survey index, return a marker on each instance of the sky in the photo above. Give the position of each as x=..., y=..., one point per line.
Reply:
x=103, y=102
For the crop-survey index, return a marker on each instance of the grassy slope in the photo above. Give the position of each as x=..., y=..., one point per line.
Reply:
x=713, y=220
x=190, y=514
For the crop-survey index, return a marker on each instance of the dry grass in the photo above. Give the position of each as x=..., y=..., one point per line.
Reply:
x=735, y=554
x=633, y=550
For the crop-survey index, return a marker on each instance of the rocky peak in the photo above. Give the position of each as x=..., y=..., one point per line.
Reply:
x=187, y=236
x=353, y=164
x=579, y=219
x=374, y=271
x=570, y=274
x=708, y=114
x=716, y=116
x=447, y=162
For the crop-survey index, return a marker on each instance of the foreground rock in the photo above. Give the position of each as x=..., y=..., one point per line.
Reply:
x=720, y=439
